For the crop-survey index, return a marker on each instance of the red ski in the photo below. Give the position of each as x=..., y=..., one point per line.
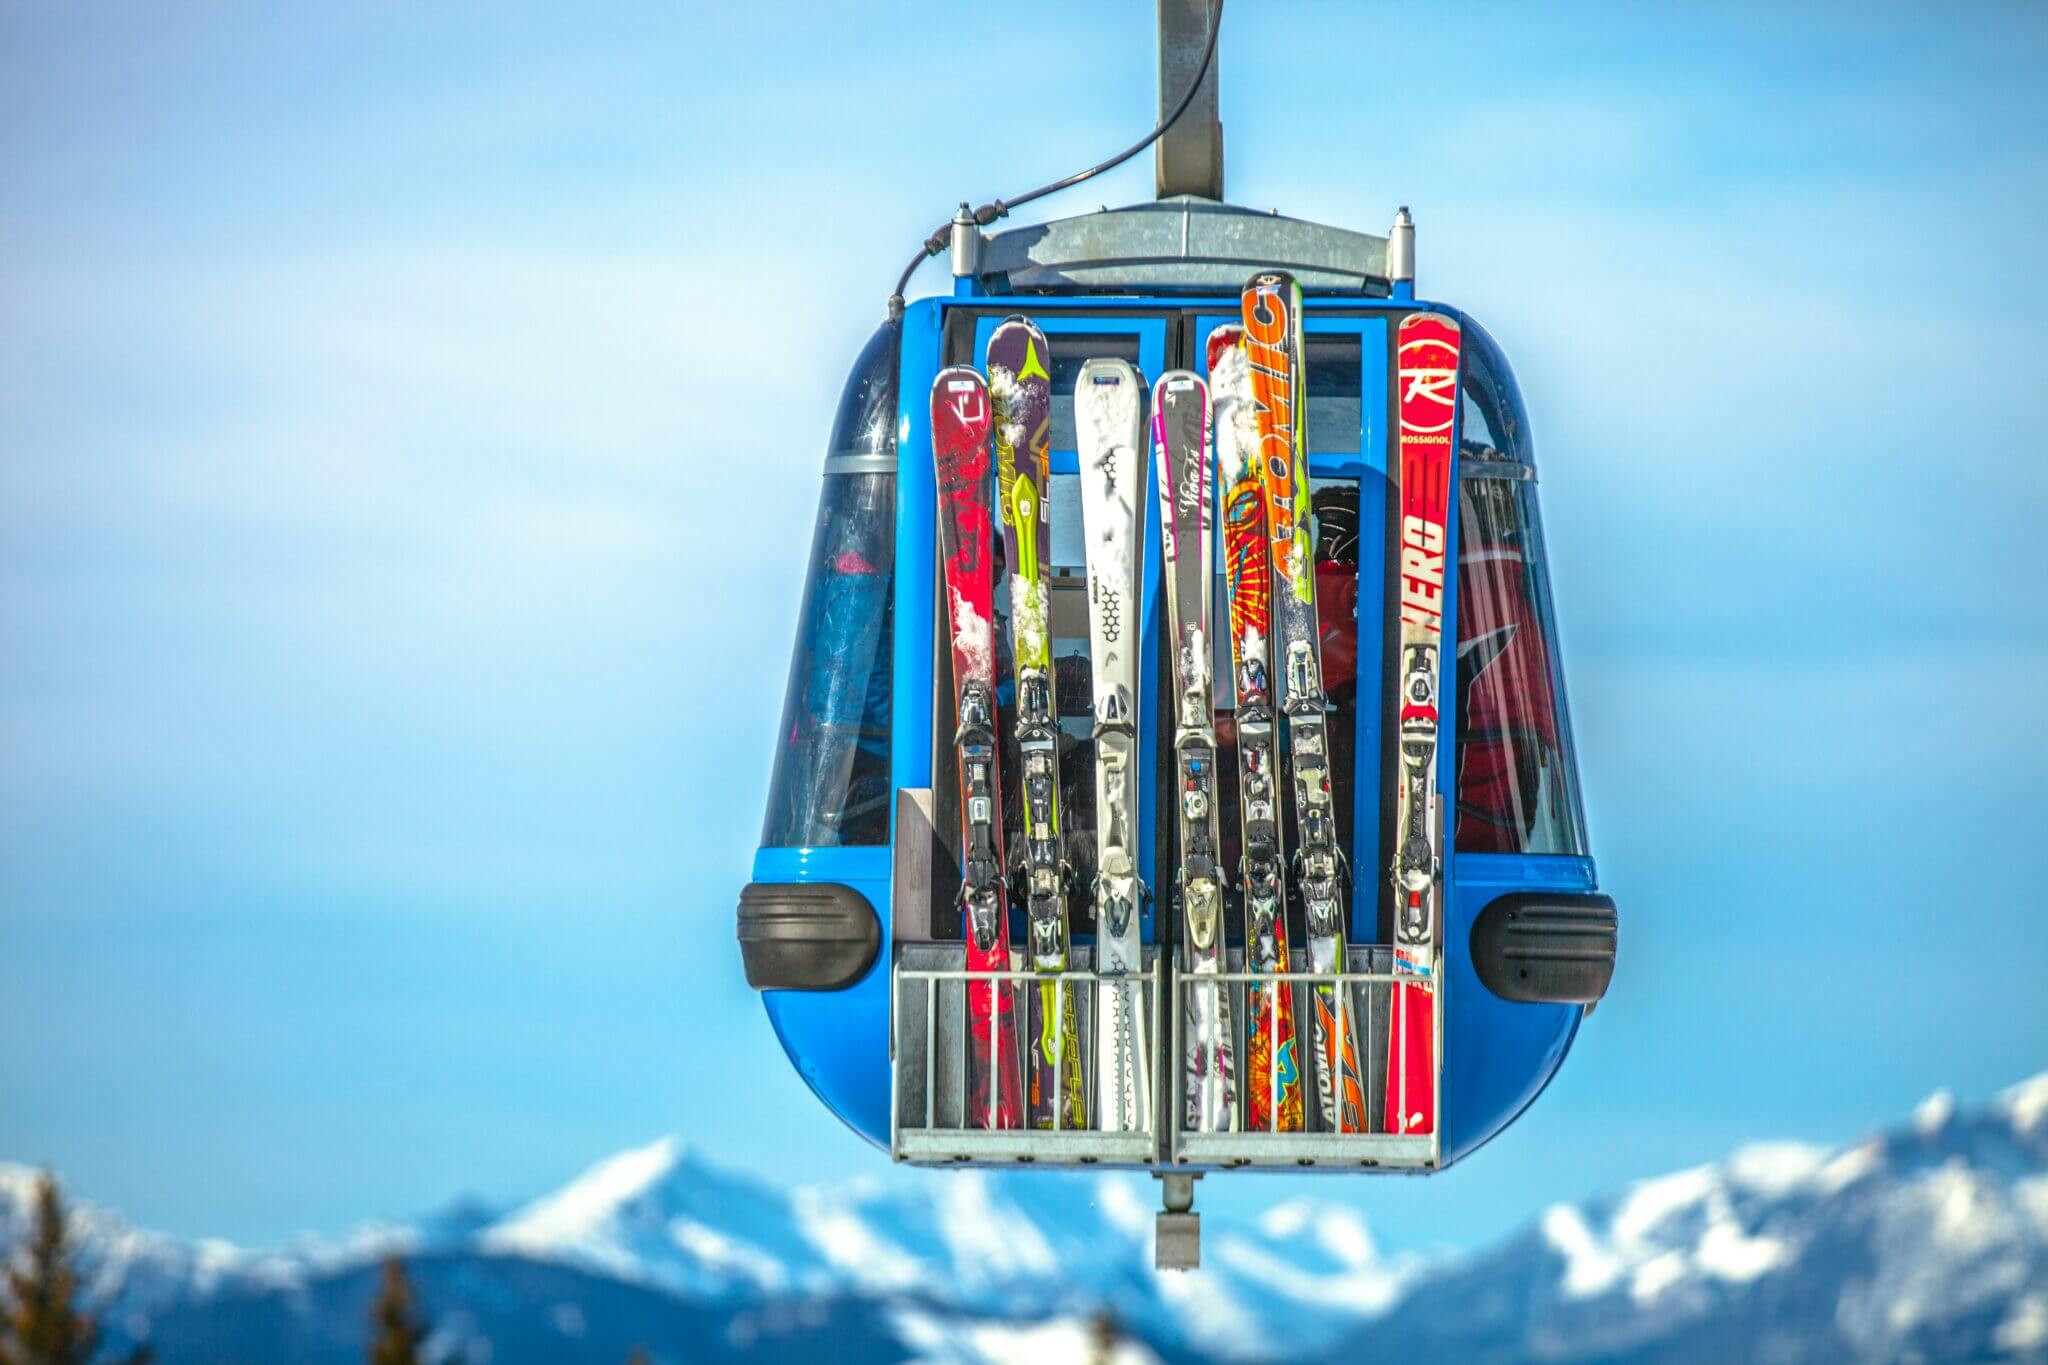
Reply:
x=961, y=416
x=1426, y=373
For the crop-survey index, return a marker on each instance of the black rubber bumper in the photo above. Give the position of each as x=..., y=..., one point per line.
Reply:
x=1546, y=948
x=806, y=936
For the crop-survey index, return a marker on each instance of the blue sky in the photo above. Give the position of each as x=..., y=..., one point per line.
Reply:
x=397, y=565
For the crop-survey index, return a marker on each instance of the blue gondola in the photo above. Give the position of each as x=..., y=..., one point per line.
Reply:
x=851, y=880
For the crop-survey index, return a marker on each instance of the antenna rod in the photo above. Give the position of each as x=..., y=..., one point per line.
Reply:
x=1188, y=159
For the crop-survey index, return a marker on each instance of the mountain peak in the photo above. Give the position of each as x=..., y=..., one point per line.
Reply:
x=1776, y=1167
x=592, y=1216
x=2026, y=1106
x=1932, y=1114
x=612, y=1183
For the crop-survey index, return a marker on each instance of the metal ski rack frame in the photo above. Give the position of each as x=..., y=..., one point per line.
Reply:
x=1364, y=992
x=929, y=1038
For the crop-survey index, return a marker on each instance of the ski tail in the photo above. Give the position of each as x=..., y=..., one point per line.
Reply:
x=1427, y=361
x=1340, y=1089
x=1411, y=1059
x=1206, y=1057
x=995, y=1091
x=1272, y=1068
x=1124, y=1097
x=1059, y=1096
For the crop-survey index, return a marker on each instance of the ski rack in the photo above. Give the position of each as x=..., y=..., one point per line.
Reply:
x=928, y=1040
x=928, y=1050
x=1365, y=994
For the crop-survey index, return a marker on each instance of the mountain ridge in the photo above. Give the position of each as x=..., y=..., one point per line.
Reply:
x=1927, y=1239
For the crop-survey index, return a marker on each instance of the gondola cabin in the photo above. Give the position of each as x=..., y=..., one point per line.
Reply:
x=852, y=927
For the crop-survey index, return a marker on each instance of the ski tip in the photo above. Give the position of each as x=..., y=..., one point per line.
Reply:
x=955, y=381
x=1175, y=390
x=1271, y=309
x=1106, y=372
x=1014, y=325
x=1222, y=341
x=960, y=407
x=1427, y=318
x=1271, y=282
x=1018, y=353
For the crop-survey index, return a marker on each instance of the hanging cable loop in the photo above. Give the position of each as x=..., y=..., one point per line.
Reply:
x=1000, y=208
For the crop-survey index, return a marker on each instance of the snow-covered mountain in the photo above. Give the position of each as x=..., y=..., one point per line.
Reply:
x=1929, y=1241
x=1018, y=1245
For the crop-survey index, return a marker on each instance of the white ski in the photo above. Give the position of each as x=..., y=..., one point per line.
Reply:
x=1109, y=422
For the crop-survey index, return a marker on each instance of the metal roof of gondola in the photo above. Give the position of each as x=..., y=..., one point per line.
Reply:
x=1180, y=243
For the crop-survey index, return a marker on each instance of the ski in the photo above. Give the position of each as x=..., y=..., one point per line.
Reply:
x=1180, y=444
x=1426, y=404
x=1109, y=425
x=960, y=433
x=1275, y=356
x=1020, y=386
x=1272, y=1076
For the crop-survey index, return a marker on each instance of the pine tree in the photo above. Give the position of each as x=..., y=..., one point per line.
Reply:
x=1103, y=1336
x=43, y=1325
x=398, y=1330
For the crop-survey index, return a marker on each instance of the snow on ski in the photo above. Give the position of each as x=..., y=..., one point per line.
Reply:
x=961, y=413
x=1426, y=378
x=1274, y=352
x=1109, y=423
x=1271, y=1070
x=1180, y=444
x=1020, y=386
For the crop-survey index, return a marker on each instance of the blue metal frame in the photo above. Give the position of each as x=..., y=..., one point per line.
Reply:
x=1498, y=1055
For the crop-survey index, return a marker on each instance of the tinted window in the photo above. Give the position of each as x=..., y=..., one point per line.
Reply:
x=1335, y=377
x=866, y=421
x=1495, y=424
x=1517, y=790
x=831, y=780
